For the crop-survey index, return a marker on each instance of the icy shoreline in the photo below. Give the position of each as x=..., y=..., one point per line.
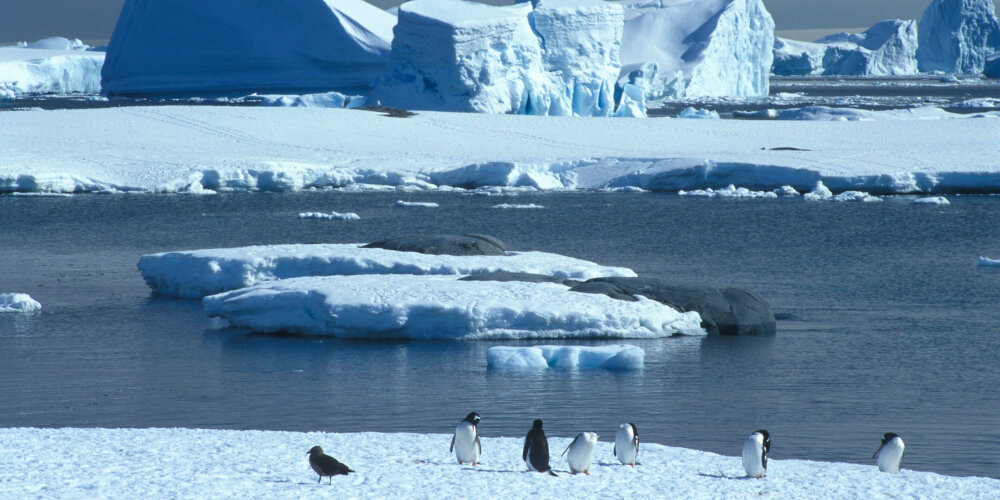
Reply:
x=197, y=463
x=281, y=149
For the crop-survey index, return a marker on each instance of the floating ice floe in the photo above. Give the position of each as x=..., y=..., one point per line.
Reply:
x=610, y=357
x=442, y=307
x=956, y=36
x=690, y=112
x=515, y=205
x=887, y=48
x=988, y=262
x=321, y=100
x=423, y=204
x=827, y=113
x=197, y=273
x=729, y=191
x=823, y=193
x=932, y=200
x=330, y=215
x=18, y=303
x=212, y=46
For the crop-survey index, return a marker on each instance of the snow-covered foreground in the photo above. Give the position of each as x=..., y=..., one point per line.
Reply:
x=226, y=148
x=193, y=463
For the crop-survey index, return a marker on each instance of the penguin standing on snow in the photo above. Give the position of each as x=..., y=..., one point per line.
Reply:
x=755, y=449
x=627, y=444
x=465, y=443
x=536, y=449
x=890, y=453
x=581, y=452
x=325, y=465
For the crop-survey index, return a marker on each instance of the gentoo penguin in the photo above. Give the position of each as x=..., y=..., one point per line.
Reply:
x=536, y=449
x=755, y=449
x=581, y=452
x=890, y=453
x=465, y=443
x=325, y=465
x=627, y=444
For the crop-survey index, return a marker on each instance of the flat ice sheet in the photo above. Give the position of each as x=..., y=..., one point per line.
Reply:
x=442, y=307
x=195, y=463
x=197, y=273
x=566, y=357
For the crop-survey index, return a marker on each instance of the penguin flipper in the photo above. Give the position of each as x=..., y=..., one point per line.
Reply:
x=614, y=449
x=452, y=447
x=478, y=444
x=567, y=449
x=527, y=444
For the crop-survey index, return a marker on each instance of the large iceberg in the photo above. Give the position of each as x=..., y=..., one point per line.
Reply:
x=956, y=36
x=689, y=48
x=991, y=66
x=217, y=46
x=197, y=273
x=566, y=357
x=560, y=58
x=442, y=307
x=887, y=48
x=50, y=66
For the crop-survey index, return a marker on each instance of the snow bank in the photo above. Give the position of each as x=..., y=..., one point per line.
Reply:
x=610, y=357
x=692, y=48
x=560, y=58
x=956, y=36
x=40, y=70
x=197, y=273
x=200, y=463
x=442, y=307
x=213, y=46
x=18, y=303
x=331, y=215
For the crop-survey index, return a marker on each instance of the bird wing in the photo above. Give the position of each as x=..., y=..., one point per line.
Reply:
x=452, y=447
x=614, y=449
x=571, y=444
x=527, y=444
x=479, y=444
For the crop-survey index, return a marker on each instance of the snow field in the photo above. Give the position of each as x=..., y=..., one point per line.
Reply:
x=193, y=463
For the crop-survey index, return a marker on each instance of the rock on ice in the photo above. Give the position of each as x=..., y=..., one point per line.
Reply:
x=611, y=357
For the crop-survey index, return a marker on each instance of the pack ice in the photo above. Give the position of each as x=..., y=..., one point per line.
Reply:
x=689, y=48
x=216, y=46
x=442, y=307
x=956, y=36
x=887, y=48
x=567, y=357
x=197, y=273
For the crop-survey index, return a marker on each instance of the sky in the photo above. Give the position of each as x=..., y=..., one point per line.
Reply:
x=94, y=20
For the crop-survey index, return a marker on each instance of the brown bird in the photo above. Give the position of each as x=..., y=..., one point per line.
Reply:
x=325, y=465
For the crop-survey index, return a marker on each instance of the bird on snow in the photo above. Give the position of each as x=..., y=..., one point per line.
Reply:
x=890, y=453
x=465, y=442
x=325, y=465
x=627, y=444
x=755, y=449
x=581, y=452
x=536, y=449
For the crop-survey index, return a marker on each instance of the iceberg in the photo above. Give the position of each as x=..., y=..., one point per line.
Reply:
x=887, y=48
x=320, y=100
x=31, y=69
x=18, y=303
x=991, y=65
x=932, y=200
x=988, y=262
x=197, y=273
x=795, y=58
x=442, y=307
x=956, y=36
x=687, y=48
x=566, y=357
x=209, y=47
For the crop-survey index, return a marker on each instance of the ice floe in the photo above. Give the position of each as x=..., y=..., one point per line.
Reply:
x=197, y=273
x=329, y=215
x=203, y=463
x=988, y=262
x=566, y=357
x=932, y=200
x=418, y=204
x=18, y=303
x=729, y=191
x=442, y=307
x=321, y=100
x=516, y=205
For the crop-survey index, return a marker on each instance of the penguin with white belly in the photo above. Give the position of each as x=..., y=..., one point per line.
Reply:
x=465, y=443
x=755, y=449
x=890, y=453
x=536, y=449
x=581, y=452
x=627, y=444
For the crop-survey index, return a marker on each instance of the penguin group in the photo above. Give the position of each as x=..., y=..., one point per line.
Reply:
x=467, y=447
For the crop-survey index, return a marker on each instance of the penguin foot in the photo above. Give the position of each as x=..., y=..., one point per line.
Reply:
x=587, y=472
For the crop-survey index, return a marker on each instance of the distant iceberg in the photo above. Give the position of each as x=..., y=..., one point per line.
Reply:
x=50, y=66
x=442, y=307
x=956, y=36
x=683, y=49
x=887, y=48
x=216, y=46
x=18, y=303
x=566, y=357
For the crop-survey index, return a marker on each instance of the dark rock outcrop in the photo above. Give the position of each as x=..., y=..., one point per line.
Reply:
x=526, y=277
x=724, y=311
x=444, y=244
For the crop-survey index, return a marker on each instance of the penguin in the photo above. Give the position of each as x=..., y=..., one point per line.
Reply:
x=536, y=449
x=325, y=465
x=465, y=442
x=627, y=444
x=581, y=452
x=890, y=453
x=755, y=449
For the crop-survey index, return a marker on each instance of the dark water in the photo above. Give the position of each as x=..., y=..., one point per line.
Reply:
x=892, y=326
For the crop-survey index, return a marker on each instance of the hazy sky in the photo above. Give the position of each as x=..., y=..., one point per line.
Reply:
x=95, y=19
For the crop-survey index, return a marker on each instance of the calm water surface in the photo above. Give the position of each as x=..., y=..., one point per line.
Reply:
x=890, y=325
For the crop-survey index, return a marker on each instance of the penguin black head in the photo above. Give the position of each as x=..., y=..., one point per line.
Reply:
x=888, y=437
x=537, y=424
x=767, y=439
x=472, y=418
x=315, y=450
